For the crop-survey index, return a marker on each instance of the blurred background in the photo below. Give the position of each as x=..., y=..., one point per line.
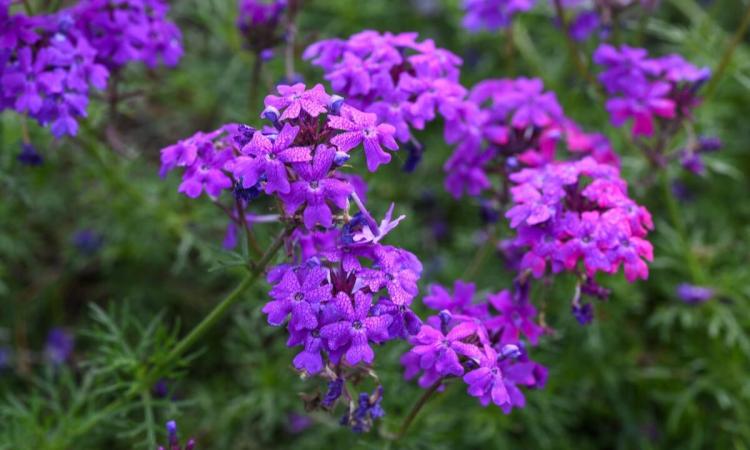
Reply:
x=99, y=226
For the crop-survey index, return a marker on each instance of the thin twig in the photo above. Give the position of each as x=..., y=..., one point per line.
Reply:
x=416, y=408
x=728, y=53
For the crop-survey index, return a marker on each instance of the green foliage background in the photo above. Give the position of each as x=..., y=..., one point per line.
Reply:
x=650, y=372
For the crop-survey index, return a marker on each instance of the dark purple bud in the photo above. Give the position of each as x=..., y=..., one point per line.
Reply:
x=190, y=444
x=172, y=432
x=341, y=158
x=692, y=162
x=445, y=320
x=271, y=114
x=415, y=150
x=335, y=103
x=243, y=135
x=88, y=241
x=709, y=144
x=512, y=163
x=594, y=289
x=694, y=295
x=59, y=346
x=29, y=156
x=267, y=54
x=584, y=314
x=488, y=212
x=510, y=351
x=335, y=387
x=246, y=194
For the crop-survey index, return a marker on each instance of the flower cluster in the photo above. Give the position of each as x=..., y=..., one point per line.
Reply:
x=579, y=211
x=258, y=21
x=48, y=63
x=341, y=290
x=406, y=83
x=492, y=14
x=479, y=342
x=599, y=17
x=124, y=31
x=505, y=124
x=344, y=292
x=646, y=89
x=46, y=69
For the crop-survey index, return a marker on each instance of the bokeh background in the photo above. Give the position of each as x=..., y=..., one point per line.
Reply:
x=96, y=225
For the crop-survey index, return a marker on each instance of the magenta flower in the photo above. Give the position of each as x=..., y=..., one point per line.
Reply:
x=299, y=293
x=295, y=98
x=355, y=328
x=361, y=127
x=268, y=157
x=517, y=316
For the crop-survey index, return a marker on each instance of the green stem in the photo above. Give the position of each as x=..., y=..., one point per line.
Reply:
x=218, y=312
x=728, y=53
x=575, y=55
x=416, y=408
x=149, y=418
x=679, y=224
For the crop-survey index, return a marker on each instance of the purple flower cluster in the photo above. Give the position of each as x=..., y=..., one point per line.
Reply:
x=579, y=211
x=648, y=90
x=46, y=68
x=48, y=63
x=296, y=158
x=124, y=31
x=492, y=14
x=479, y=342
x=406, y=83
x=258, y=21
x=505, y=124
x=598, y=17
x=344, y=292
x=341, y=291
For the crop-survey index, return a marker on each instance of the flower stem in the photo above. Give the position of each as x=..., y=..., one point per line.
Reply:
x=219, y=310
x=416, y=408
x=679, y=224
x=728, y=53
x=254, y=82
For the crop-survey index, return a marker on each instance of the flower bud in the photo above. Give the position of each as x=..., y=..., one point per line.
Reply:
x=341, y=158
x=334, y=105
x=510, y=351
x=271, y=114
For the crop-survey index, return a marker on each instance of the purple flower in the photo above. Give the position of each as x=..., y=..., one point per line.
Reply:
x=295, y=98
x=59, y=346
x=355, y=328
x=264, y=156
x=442, y=351
x=487, y=381
x=316, y=188
x=693, y=294
x=492, y=14
x=335, y=388
x=299, y=292
x=517, y=316
x=361, y=127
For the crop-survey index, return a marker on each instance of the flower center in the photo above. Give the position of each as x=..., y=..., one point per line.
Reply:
x=299, y=296
x=357, y=325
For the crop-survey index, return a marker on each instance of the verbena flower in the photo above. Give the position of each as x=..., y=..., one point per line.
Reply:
x=258, y=21
x=647, y=90
x=694, y=294
x=478, y=343
x=492, y=14
x=405, y=82
x=124, y=31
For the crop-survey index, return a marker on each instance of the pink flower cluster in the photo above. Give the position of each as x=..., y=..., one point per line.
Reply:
x=648, y=90
x=508, y=123
x=478, y=342
x=579, y=211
